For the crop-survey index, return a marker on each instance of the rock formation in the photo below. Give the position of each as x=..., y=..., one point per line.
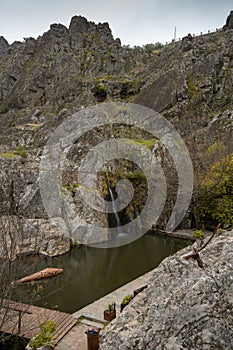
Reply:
x=60, y=65
x=187, y=43
x=229, y=21
x=45, y=80
x=3, y=47
x=184, y=307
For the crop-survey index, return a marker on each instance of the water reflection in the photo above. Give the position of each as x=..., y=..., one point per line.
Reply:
x=90, y=273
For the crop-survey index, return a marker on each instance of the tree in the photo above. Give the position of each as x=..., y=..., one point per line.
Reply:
x=212, y=198
x=218, y=192
x=11, y=313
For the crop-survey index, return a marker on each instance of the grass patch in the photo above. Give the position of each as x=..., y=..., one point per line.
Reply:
x=149, y=143
x=19, y=151
x=9, y=155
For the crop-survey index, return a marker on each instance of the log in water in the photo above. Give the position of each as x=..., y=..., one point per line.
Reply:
x=90, y=273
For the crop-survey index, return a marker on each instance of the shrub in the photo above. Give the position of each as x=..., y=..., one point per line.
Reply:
x=126, y=299
x=198, y=234
x=45, y=337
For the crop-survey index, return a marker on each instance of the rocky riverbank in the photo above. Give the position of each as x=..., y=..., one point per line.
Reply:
x=184, y=306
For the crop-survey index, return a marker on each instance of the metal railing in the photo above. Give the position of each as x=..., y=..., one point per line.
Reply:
x=196, y=35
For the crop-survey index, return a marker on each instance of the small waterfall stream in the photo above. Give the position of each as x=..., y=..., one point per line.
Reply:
x=117, y=236
x=118, y=222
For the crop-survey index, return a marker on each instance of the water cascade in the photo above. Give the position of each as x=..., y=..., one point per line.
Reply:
x=118, y=222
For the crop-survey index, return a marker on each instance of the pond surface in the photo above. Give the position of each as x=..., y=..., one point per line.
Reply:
x=90, y=273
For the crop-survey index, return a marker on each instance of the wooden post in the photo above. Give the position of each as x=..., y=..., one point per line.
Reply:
x=19, y=321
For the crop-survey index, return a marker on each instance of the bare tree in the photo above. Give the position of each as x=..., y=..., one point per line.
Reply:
x=11, y=313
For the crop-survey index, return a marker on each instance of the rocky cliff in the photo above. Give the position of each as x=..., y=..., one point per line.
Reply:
x=58, y=67
x=44, y=80
x=39, y=78
x=184, y=307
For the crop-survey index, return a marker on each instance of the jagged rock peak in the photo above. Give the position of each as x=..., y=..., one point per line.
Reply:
x=229, y=21
x=79, y=24
x=3, y=46
x=3, y=41
x=58, y=28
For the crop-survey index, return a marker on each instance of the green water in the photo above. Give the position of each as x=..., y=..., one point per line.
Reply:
x=90, y=273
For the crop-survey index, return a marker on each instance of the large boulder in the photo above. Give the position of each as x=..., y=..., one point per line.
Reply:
x=187, y=43
x=184, y=307
x=162, y=93
x=33, y=236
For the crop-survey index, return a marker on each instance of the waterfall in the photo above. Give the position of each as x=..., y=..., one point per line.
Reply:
x=118, y=237
x=114, y=207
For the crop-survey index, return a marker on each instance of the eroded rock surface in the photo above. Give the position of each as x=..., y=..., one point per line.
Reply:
x=33, y=236
x=45, y=80
x=184, y=308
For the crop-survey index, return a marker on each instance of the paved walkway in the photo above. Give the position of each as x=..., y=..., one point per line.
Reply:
x=185, y=234
x=75, y=339
x=91, y=316
x=95, y=311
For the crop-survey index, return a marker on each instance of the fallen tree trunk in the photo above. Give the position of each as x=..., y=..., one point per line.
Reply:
x=46, y=273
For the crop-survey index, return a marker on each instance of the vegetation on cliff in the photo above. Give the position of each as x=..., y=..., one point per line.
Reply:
x=43, y=81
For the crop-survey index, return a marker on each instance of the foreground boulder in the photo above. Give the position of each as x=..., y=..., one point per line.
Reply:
x=184, y=307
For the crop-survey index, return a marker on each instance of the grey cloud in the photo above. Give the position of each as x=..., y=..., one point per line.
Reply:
x=136, y=22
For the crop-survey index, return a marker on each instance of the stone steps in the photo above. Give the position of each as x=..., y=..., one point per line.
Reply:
x=92, y=322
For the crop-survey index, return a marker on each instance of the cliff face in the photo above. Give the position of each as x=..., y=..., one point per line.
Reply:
x=45, y=80
x=184, y=307
x=39, y=78
x=59, y=66
x=191, y=81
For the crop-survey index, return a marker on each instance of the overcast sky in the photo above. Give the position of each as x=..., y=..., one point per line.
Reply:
x=135, y=22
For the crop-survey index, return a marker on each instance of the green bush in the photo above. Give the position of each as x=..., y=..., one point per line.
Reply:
x=198, y=234
x=45, y=337
x=126, y=299
x=219, y=231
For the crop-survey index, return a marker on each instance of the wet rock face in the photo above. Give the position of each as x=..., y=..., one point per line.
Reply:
x=24, y=221
x=185, y=307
